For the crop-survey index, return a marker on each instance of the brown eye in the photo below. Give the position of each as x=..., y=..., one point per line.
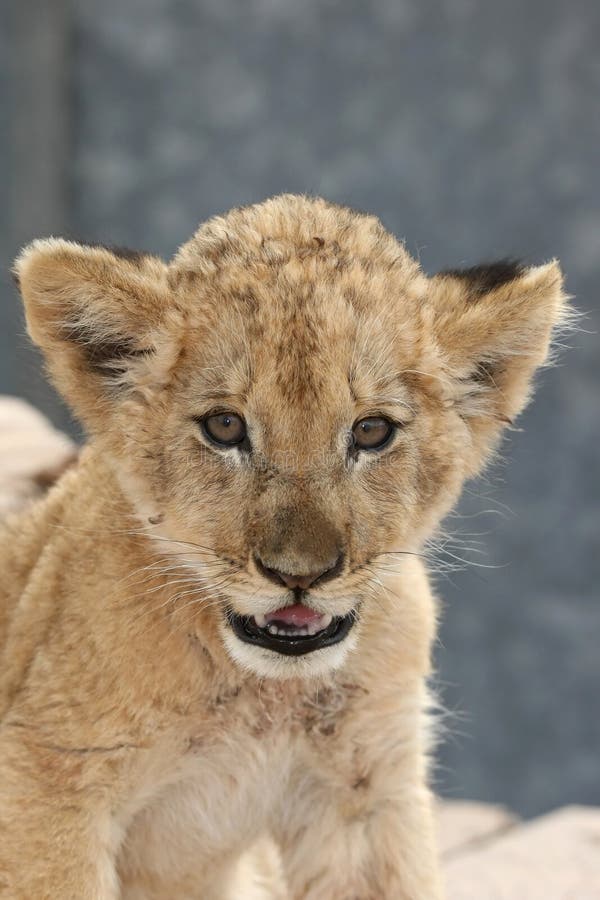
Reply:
x=226, y=428
x=372, y=433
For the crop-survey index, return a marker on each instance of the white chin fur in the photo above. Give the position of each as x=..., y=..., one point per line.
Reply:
x=269, y=664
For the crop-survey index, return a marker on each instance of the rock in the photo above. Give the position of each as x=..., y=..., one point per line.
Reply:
x=555, y=857
x=32, y=454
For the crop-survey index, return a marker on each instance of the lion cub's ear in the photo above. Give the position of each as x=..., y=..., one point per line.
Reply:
x=96, y=313
x=493, y=326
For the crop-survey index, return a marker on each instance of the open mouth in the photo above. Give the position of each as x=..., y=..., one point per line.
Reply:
x=292, y=630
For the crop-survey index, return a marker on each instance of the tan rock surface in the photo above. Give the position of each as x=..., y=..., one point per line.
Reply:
x=555, y=857
x=32, y=453
x=465, y=824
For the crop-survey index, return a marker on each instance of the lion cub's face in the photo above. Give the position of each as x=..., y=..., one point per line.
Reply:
x=289, y=403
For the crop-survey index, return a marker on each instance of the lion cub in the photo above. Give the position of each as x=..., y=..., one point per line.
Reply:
x=217, y=625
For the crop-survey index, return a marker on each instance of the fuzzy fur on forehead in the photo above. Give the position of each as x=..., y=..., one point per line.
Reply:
x=287, y=228
x=318, y=285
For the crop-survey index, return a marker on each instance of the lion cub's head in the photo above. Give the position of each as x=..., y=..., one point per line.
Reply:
x=292, y=396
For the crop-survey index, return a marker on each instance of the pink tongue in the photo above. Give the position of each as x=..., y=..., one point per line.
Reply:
x=294, y=615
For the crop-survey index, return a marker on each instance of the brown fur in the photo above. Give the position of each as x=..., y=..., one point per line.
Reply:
x=143, y=748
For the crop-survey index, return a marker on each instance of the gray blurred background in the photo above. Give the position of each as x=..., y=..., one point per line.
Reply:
x=472, y=129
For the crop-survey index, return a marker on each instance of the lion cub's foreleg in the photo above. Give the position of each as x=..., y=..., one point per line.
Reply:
x=385, y=853
x=360, y=826
x=56, y=843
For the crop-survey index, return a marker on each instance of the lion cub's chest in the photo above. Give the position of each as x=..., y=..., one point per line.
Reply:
x=239, y=761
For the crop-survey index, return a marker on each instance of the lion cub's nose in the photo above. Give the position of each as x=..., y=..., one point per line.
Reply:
x=300, y=582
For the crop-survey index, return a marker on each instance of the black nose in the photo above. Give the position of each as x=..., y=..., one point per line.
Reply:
x=300, y=582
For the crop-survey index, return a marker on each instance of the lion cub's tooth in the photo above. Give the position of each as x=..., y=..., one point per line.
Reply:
x=260, y=620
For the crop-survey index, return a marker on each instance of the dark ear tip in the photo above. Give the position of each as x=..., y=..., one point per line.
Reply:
x=16, y=279
x=487, y=277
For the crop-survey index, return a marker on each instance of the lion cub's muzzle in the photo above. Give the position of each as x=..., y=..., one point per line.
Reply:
x=297, y=628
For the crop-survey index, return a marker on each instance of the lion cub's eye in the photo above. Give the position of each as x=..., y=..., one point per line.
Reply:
x=226, y=429
x=372, y=433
